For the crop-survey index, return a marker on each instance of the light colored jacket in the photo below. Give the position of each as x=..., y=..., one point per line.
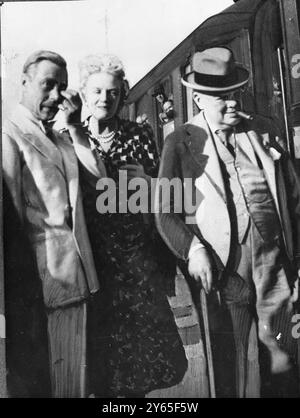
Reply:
x=190, y=153
x=43, y=181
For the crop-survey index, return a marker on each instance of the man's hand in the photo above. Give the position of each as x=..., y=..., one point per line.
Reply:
x=71, y=106
x=200, y=268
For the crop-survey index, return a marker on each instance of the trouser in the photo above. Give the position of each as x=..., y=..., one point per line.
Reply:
x=256, y=285
x=67, y=350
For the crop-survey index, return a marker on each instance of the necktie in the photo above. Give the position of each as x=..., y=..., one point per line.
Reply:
x=48, y=130
x=227, y=138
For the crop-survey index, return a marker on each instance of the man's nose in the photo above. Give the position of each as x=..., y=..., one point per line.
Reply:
x=231, y=103
x=54, y=94
x=103, y=95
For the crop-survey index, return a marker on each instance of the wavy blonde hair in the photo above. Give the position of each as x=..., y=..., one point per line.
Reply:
x=107, y=63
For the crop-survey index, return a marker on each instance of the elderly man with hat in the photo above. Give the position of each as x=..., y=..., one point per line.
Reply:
x=241, y=226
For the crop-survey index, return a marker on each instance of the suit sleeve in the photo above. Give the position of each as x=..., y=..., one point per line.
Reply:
x=90, y=160
x=169, y=210
x=11, y=164
x=92, y=165
x=288, y=185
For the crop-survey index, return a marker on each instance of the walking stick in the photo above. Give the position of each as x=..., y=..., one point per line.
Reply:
x=211, y=377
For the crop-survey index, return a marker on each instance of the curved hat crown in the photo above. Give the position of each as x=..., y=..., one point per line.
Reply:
x=215, y=70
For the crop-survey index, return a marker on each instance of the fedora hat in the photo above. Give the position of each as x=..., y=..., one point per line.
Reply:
x=215, y=71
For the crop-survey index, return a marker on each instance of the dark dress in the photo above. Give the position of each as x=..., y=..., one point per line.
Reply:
x=135, y=345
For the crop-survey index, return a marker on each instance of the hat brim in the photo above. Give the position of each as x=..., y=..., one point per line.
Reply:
x=242, y=79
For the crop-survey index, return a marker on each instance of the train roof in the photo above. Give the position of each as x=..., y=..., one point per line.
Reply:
x=215, y=29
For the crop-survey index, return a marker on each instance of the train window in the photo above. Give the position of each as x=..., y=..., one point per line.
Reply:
x=163, y=96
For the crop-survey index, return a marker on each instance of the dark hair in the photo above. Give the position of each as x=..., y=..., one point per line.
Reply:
x=42, y=55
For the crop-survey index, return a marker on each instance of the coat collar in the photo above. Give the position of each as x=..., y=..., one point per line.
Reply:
x=61, y=155
x=32, y=131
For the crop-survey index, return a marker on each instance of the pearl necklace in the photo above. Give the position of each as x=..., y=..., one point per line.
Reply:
x=104, y=138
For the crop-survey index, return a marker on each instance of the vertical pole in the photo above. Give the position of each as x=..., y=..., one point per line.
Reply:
x=284, y=99
x=3, y=392
x=210, y=366
x=106, y=30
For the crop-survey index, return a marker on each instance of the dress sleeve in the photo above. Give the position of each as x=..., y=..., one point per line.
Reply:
x=150, y=158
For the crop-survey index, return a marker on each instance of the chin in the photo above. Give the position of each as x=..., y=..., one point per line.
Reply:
x=47, y=115
x=102, y=116
x=233, y=121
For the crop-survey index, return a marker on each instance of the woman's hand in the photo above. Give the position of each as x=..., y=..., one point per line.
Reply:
x=71, y=106
x=135, y=171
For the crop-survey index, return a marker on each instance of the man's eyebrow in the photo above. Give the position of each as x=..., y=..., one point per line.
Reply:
x=47, y=78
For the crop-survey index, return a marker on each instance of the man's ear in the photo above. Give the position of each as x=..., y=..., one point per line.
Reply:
x=82, y=96
x=196, y=98
x=24, y=79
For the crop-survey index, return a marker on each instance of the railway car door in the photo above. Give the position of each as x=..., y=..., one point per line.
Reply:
x=2, y=317
x=290, y=21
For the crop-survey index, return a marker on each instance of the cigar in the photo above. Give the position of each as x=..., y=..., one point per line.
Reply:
x=244, y=115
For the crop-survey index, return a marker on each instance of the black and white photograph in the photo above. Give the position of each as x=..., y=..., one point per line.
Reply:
x=150, y=201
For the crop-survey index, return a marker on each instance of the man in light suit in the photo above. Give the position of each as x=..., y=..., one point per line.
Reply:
x=40, y=168
x=241, y=226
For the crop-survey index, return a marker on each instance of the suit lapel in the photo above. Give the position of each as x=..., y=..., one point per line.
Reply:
x=244, y=143
x=33, y=134
x=204, y=153
x=71, y=173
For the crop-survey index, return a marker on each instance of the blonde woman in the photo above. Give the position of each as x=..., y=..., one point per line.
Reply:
x=136, y=346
